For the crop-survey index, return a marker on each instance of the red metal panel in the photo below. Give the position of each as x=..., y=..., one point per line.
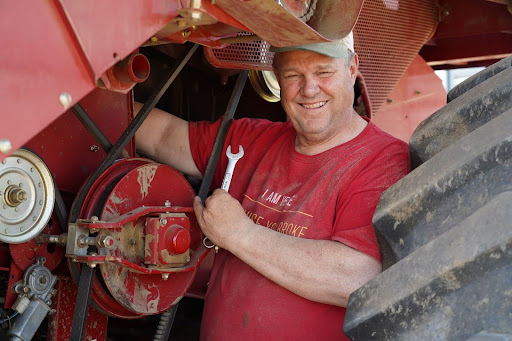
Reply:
x=60, y=322
x=69, y=150
x=110, y=30
x=53, y=52
x=472, y=17
x=417, y=95
x=40, y=60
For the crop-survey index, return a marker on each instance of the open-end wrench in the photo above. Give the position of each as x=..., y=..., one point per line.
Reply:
x=233, y=159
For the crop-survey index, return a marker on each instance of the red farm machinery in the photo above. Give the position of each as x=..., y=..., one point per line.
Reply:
x=100, y=243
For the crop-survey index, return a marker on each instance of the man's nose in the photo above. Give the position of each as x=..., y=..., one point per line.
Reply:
x=309, y=86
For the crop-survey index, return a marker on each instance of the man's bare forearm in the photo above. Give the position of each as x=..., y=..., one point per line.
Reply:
x=319, y=270
x=164, y=138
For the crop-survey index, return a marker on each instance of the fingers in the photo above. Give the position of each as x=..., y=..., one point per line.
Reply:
x=198, y=209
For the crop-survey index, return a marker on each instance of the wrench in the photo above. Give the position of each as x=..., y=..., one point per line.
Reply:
x=233, y=159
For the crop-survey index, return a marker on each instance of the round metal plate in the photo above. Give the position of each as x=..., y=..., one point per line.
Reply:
x=93, y=205
x=27, y=172
x=149, y=185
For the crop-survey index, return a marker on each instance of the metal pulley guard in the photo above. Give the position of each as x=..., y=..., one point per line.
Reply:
x=154, y=246
x=27, y=196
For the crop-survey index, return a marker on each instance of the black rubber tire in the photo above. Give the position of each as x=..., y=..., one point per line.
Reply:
x=444, y=229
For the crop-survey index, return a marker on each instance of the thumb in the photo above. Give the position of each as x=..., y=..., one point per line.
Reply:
x=198, y=206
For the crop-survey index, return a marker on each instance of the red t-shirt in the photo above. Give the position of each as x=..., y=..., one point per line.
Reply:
x=330, y=196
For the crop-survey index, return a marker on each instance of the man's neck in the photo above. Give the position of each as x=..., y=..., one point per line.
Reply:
x=352, y=129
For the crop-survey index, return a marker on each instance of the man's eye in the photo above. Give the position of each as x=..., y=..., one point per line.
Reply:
x=325, y=73
x=291, y=76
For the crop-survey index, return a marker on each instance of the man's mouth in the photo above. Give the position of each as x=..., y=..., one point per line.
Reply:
x=313, y=105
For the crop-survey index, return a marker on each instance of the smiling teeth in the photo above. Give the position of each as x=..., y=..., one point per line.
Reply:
x=314, y=106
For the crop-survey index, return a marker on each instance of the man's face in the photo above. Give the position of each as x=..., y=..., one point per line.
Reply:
x=316, y=92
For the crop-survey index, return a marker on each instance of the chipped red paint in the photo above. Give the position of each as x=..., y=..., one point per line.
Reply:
x=60, y=322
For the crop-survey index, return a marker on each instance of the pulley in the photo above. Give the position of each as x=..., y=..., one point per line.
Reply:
x=27, y=196
x=145, y=208
x=265, y=84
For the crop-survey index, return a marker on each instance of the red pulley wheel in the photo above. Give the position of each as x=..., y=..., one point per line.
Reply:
x=126, y=185
x=147, y=185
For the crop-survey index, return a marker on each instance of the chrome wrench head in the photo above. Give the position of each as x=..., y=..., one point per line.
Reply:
x=236, y=156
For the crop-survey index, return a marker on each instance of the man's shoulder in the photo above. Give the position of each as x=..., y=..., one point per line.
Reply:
x=259, y=123
x=381, y=138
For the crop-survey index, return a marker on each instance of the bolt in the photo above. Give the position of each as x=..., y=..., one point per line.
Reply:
x=185, y=33
x=165, y=277
x=40, y=202
x=65, y=99
x=5, y=146
x=196, y=15
x=154, y=39
x=94, y=218
x=94, y=148
x=167, y=203
x=92, y=265
x=163, y=221
x=106, y=242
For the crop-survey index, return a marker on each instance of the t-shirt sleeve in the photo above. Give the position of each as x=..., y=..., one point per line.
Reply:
x=201, y=138
x=356, y=206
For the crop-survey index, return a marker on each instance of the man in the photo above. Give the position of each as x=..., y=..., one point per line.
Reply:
x=295, y=229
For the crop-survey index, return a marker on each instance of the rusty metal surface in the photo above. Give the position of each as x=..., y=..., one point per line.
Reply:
x=279, y=27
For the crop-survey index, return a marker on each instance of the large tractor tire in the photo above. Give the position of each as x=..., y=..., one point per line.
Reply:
x=445, y=229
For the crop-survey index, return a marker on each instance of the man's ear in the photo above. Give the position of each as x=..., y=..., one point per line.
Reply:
x=354, y=66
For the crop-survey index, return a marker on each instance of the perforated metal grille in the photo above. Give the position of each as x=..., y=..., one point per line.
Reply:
x=387, y=37
x=254, y=55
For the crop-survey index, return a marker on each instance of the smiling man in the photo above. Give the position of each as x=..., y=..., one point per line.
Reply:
x=296, y=227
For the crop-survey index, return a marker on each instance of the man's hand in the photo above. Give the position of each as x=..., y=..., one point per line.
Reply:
x=223, y=220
